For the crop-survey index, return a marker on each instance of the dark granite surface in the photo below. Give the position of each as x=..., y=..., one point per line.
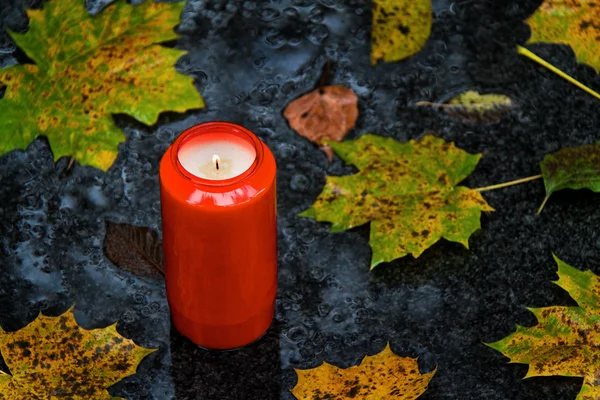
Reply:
x=249, y=59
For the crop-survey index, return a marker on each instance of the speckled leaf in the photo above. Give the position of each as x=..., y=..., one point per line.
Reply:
x=475, y=107
x=87, y=68
x=382, y=376
x=53, y=357
x=571, y=22
x=572, y=168
x=406, y=190
x=565, y=341
x=400, y=28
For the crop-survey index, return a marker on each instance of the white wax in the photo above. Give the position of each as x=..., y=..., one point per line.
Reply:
x=235, y=156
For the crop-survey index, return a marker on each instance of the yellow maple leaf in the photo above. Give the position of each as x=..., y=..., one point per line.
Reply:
x=53, y=357
x=382, y=376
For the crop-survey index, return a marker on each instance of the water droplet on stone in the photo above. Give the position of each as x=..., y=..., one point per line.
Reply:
x=299, y=183
x=297, y=334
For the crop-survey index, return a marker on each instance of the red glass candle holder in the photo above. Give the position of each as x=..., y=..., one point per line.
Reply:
x=220, y=245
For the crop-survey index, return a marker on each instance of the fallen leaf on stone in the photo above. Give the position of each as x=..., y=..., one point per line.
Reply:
x=570, y=22
x=87, y=68
x=565, y=341
x=136, y=249
x=53, y=358
x=571, y=168
x=400, y=28
x=327, y=113
x=382, y=376
x=475, y=107
x=406, y=190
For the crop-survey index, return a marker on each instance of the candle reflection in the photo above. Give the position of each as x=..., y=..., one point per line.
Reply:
x=225, y=198
x=253, y=372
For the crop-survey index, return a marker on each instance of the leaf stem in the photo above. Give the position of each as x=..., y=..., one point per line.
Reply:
x=543, y=204
x=325, y=75
x=429, y=103
x=505, y=184
x=523, y=51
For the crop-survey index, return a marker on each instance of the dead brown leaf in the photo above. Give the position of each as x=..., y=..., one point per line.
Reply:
x=136, y=249
x=327, y=113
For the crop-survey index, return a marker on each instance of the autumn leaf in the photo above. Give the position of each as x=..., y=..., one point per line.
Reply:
x=327, y=113
x=382, y=376
x=571, y=168
x=400, y=28
x=53, y=357
x=565, y=340
x=570, y=22
x=406, y=190
x=87, y=68
x=136, y=249
x=475, y=107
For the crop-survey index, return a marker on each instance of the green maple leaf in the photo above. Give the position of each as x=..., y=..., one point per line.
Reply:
x=87, y=68
x=53, y=357
x=406, y=190
x=565, y=341
x=571, y=168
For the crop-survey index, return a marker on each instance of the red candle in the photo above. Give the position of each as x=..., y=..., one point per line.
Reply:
x=219, y=218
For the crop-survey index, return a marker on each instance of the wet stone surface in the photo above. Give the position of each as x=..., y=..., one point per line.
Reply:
x=249, y=59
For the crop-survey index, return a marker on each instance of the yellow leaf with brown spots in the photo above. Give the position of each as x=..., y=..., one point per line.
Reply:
x=87, y=68
x=406, y=190
x=400, y=28
x=566, y=340
x=475, y=107
x=53, y=357
x=572, y=22
x=379, y=377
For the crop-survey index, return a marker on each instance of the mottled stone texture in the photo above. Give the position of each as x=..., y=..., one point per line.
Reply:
x=249, y=59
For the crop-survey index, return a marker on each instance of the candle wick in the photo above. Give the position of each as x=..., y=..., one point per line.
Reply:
x=217, y=163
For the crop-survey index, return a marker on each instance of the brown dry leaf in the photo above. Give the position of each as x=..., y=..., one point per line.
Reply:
x=382, y=376
x=327, y=113
x=136, y=249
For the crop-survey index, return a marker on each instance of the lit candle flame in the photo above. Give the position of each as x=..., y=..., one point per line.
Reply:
x=216, y=160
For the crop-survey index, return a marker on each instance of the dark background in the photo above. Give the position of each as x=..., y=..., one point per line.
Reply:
x=249, y=59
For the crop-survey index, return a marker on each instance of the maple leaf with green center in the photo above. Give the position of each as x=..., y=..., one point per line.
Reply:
x=406, y=190
x=570, y=22
x=87, y=68
x=53, y=357
x=565, y=341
